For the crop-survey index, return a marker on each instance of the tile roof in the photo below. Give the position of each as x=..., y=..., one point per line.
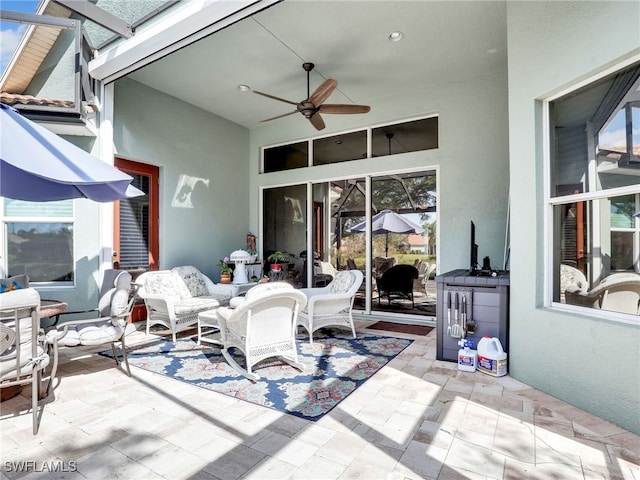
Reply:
x=17, y=99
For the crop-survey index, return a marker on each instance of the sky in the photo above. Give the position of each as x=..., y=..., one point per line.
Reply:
x=615, y=134
x=11, y=32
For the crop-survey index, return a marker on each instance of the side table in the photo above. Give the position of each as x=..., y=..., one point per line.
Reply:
x=52, y=308
x=277, y=276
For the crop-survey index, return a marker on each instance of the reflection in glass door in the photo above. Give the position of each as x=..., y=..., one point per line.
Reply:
x=347, y=209
x=403, y=239
x=285, y=229
x=338, y=236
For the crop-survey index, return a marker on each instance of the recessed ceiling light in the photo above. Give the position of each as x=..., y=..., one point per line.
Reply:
x=395, y=36
x=244, y=88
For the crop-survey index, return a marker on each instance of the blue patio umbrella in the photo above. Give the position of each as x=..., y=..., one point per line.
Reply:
x=38, y=165
x=388, y=221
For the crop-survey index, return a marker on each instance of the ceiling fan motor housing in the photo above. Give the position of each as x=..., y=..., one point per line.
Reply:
x=307, y=109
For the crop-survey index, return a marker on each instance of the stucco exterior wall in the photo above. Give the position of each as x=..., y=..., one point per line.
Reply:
x=581, y=359
x=151, y=127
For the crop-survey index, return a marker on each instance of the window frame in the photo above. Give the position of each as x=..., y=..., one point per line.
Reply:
x=592, y=194
x=5, y=220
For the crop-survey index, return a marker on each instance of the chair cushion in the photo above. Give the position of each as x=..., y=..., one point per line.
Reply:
x=96, y=333
x=189, y=281
x=342, y=282
x=200, y=304
x=114, y=302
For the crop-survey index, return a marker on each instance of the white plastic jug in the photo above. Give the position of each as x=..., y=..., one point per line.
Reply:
x=467, y=358
x=492, y=359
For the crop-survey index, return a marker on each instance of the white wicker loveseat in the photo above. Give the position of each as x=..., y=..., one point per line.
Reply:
x=175, y=297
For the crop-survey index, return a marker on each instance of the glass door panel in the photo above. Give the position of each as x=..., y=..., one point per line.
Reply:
x=337, y=233
x=402, y=211
x=347, y=210
x=285, y=229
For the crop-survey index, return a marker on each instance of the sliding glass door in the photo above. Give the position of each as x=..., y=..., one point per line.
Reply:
x=329, y=219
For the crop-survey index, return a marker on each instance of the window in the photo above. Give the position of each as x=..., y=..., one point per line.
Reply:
x=39, y=240
x=625, y=233
x=340, y=148
x=286, y=157
x=594, y=194
x=391, y=139
x=405, y=137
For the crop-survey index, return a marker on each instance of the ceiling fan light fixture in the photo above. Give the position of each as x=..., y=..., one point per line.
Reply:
x=243, y=88
x=395, y=36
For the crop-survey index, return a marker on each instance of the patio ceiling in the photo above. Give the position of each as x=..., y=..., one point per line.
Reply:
x=444, y=42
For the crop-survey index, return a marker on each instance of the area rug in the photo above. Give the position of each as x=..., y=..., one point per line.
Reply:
x=334, y=367
x=401, y=328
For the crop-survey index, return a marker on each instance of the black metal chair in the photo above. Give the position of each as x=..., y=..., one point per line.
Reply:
x=397, y=282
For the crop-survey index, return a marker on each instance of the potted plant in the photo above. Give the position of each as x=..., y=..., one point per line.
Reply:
x=225, y=270
x=277, y=258
x=251, y=247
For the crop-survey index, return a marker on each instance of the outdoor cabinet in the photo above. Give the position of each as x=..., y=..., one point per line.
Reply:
x=487, y=305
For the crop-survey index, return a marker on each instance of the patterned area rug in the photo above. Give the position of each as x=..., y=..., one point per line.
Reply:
x=334, y=366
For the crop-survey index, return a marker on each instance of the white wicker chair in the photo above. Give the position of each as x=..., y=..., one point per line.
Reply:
x=619, y=292
x=22, y=354
x=209, y=320
x=331, y=305
x=262, y=327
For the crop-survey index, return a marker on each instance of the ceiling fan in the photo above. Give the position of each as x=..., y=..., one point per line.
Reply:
x=313, y=105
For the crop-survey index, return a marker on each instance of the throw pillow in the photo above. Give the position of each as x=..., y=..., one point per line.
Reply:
x=342, y=282
x=16, y=282
x=192, y=279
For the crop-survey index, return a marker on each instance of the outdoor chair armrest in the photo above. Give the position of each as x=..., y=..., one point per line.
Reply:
x=330, y=303
x=313, y=291
x=168, y=300
x=57, y=316
x=328, y=297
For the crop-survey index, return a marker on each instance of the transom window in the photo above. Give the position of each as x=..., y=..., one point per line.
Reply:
x=391, y=139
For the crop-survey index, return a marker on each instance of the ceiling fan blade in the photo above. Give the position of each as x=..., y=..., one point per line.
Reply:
x=343, y=108
x=316, y=121
x=323, y=91
x=279, y=116
x=275, y=98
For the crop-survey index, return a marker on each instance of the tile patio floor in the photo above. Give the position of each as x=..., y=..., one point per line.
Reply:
x=417, y=418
